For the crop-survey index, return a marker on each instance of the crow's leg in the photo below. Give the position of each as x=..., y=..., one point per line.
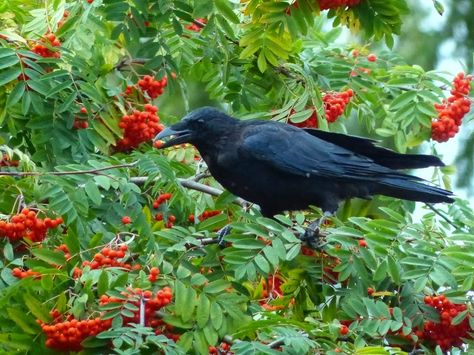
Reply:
x=221, y=233
x=311, y=233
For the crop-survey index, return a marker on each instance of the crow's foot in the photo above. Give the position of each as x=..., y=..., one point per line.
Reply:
x=311, y=236
x=221, y=233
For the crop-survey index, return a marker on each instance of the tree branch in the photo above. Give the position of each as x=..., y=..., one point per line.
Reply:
x=193, y=185
x=71, y=172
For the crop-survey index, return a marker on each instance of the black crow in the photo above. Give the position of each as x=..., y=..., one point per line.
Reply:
x=281, y=167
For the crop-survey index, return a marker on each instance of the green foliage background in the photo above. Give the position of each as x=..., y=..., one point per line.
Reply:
x=256, y=61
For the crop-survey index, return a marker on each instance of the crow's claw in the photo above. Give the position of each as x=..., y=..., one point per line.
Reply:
x=221, y=233
x=311, y=235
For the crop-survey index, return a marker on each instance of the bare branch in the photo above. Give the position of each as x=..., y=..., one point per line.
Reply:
x=70, y=172
x=193, y=185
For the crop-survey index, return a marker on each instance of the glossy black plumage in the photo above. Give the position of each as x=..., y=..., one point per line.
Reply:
x=281, y=167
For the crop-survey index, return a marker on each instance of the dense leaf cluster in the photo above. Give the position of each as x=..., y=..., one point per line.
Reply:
x=259, y=58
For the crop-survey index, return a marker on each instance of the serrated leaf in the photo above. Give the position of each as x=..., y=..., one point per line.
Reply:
x=16, y=93
x=216, y=286
x=262, y=62
x=216, y=315
x=36, y=308
x=202, y=310
x=50, y=256
x=103, y=283
x=22, y=320
x=226, y=11
x=8, y=75
x=93, y=192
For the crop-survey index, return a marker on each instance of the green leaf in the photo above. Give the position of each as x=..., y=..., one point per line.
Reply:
x=8, y=251
x=8, y=75
x=22, y=320
x=394, y=270
x=262, y=263
x=93, y=192
x=293, y=252
x=103, y=283
x=407, y=98
x=439, y=7
x=270, y=224
x=8, y=61
x=50, y=256
x=203, y=310
x=216, y=315
x=262, y=62
x=226, y=11
x=185, y=300
x=36, y=307
x=6, y=52
x=16, y=93
x=216, y=286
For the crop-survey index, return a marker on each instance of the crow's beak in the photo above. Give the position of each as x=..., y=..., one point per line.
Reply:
x=175, y=137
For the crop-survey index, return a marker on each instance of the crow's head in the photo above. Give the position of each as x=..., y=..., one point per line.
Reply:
x=198, y=127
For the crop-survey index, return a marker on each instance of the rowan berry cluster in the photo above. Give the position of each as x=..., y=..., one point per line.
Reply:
x=452, y=110
x=161, y=199
x=169, y=220
x=48, y=40
x=27, y=225
x=67, y=333
x=80, y=124
x=6, y=161
x=151, y=86
x=444, y=333
x=139, y=127
x=204, y=215
x=223, y=348
x=63, y=19
x=65, y=250
x=332, y=4
x=152, y=301
x=195, y=27
x=334, y=105
x=109, y=257
x=21, y=274
x=154, y=273
x=271, y=290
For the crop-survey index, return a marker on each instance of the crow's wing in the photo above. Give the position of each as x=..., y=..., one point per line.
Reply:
x=294, y=151
x=382, y=156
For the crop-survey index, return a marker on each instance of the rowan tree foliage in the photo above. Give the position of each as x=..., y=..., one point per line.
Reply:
x=109, y=244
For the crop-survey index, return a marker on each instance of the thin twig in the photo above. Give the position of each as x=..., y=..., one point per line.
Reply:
x=451, y=223
x=202, y=242
x=70, y=172
x=284, y=71
x=276, y=344
x=193, y=185
x=126, y=62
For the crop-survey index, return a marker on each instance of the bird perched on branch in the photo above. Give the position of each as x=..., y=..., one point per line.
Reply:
x=281, y=167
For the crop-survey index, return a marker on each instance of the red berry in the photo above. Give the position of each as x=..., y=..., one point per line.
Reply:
x=126, y=220
x=372, y=57
x=362, y=243
x=344, y=330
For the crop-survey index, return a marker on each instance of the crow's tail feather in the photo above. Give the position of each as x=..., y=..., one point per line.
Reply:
x=382, y=156
x=406, y=189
